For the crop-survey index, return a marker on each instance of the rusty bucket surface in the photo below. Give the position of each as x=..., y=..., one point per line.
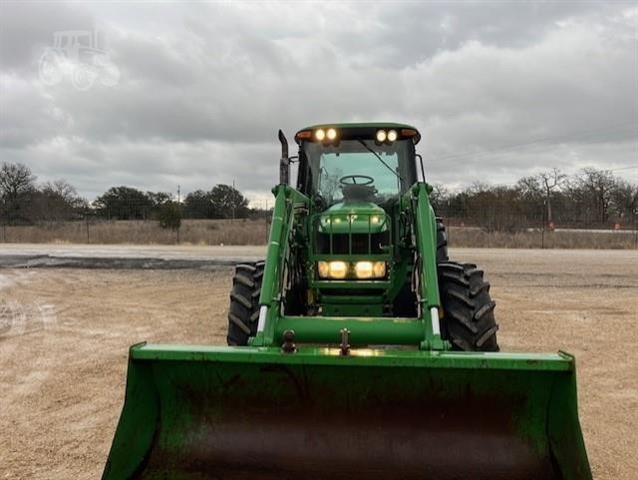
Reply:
x=235, y=413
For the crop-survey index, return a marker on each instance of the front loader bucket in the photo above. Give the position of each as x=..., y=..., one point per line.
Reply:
x=244, y=412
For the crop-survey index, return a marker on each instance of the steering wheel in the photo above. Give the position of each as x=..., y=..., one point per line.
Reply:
x=353, y=180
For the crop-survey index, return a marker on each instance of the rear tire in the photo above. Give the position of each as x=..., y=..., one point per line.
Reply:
x=243, y=312
x=467, y=317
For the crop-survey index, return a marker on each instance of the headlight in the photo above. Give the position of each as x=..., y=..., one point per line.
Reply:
x=323, y=269
x=336, y=270
x=320, y=134
x=379, y=269
x=392, y=135
x=381, y=136
x=365, y=270
x=331, y=134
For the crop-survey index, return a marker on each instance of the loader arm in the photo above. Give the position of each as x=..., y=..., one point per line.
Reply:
x=426, y=270
x=424, y=331
x=287, y=200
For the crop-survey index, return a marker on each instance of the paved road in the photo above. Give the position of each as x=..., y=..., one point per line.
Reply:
x=125, y=256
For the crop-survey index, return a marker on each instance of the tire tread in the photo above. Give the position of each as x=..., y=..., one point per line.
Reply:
x=467, y=319
x=243, y=311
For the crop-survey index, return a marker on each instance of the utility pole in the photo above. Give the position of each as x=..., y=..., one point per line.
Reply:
x=543, y=224
x=449, y=214
x=233, y=199
x=179, y=209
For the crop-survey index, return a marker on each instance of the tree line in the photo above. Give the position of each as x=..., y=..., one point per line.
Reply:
x=592, y=198
x=24, y=201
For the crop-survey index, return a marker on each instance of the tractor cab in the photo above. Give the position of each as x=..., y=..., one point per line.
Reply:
x=355, y=176
x=356, y=162
x=75, y=44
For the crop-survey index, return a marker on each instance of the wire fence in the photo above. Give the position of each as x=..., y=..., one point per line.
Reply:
x=541, y=237
x=95, y=231
x=461, y=233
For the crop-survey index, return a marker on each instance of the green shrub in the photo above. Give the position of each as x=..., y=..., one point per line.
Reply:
x=170, y=216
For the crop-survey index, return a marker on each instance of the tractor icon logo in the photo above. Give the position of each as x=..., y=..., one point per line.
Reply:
x=75, y=54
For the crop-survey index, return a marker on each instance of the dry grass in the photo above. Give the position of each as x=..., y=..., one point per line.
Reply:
x=475, y=237
x=255, y=232
x=146, y=232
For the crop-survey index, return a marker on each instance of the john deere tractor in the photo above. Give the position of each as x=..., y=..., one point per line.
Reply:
x=362, y=243
x=357, y=349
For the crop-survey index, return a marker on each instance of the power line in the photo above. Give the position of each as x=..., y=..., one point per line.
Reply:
x=574, y=136
x=623, y=168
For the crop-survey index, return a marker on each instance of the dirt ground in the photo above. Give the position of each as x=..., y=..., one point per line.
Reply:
x=64, y=335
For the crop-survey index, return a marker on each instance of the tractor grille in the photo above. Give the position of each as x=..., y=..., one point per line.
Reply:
x=362, y=243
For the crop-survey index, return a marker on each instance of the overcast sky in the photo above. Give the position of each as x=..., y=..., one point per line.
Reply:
x=195, y=92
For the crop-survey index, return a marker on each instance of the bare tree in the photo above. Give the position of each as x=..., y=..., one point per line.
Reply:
x=16, y=184
x=550, y=181
x=55, y=201
x=61, y=188
x=439, y=198
x=530, y=188
x=598, y=186
x=624, y=200
x=15, y=179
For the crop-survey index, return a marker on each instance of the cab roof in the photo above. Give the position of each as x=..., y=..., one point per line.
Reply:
x=363, y=128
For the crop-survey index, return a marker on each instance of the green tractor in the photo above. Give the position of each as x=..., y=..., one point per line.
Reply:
x=361, y=242
x=357, y=349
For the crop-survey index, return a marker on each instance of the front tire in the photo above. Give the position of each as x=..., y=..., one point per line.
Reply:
x=467, y=317
x=243, y=312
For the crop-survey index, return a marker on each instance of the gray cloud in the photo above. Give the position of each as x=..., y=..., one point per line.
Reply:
x=498, y=89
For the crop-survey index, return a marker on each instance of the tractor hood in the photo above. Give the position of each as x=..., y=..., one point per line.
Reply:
x=353, y=217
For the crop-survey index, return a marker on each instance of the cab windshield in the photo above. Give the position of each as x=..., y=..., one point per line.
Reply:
x=360, y=170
